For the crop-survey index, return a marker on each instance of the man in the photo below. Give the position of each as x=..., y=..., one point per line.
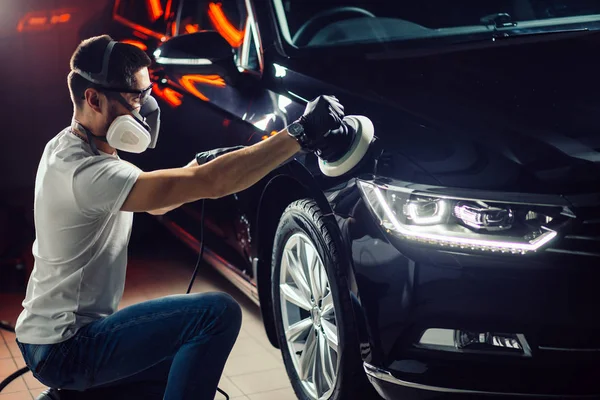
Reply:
x=70, y=332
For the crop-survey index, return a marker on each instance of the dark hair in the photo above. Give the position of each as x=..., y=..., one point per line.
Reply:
x=125, y=61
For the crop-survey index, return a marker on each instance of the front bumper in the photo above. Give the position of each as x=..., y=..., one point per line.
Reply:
x=392, y=388
x=551, y=298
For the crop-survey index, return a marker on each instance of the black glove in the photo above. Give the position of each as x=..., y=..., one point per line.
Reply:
x=336, y=142
x=206, y=156
x=322, y=115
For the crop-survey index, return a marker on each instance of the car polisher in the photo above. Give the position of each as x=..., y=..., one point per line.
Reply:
x=357, y=135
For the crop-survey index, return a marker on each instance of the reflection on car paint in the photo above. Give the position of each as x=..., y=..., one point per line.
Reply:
x=140, y=35
x=280, y=71
x=219, y=20
x=189, y=83
x=137, y=27
x=135, y=43
x=140, y=28
x=264, y=122
x=283, y=102
x=169, y=95
x=155, y=9
x=192, y=28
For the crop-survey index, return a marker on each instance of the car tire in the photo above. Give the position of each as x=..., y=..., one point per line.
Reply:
x=339, y=375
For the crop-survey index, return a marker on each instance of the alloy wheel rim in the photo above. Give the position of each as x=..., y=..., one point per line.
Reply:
x=308, y=315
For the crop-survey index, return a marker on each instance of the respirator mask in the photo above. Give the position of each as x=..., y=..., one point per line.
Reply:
x=134, y=132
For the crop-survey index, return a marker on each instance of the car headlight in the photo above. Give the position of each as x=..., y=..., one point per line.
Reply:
x=462, y=223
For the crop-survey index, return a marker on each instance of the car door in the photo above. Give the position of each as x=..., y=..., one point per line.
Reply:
x=258, y=109
x=203, y=112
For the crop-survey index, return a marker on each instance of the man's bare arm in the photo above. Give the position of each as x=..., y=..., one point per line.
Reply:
x=163, y=211
x=227, y=174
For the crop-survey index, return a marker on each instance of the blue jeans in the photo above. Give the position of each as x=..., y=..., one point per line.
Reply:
x=174, y=348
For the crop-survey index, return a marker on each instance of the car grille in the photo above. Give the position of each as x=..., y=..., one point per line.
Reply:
x=583, y=239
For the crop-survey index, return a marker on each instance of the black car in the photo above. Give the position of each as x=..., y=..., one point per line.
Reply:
x=462, y=254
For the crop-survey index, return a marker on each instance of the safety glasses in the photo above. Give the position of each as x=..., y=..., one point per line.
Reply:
x=142, y=95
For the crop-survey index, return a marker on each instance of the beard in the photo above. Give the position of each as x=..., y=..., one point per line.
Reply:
x=110, y=118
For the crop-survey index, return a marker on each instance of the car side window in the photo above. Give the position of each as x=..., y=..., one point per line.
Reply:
x=249, y=56
x=225, y=17
x=150, y=15
x=250, y=60
x=193, y=17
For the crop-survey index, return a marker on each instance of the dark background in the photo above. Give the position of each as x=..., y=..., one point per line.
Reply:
x=35, y=104
x=34, y=107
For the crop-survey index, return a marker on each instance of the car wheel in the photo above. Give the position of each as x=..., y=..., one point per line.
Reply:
x=312, y=308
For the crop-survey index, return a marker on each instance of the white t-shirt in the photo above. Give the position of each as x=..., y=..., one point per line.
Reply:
x=81, y=242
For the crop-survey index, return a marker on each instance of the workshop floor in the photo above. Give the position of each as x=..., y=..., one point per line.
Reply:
x=161, y=267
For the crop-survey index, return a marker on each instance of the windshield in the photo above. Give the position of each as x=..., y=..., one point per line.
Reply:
x=337, y=22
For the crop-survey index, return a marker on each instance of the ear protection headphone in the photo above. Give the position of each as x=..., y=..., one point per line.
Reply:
x=134, y=132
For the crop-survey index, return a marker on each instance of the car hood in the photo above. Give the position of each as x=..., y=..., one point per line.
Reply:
x=517, y=117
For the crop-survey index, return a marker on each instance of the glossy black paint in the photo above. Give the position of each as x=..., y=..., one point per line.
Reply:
x=208, y=45
x=405, y=289
x=514, y=119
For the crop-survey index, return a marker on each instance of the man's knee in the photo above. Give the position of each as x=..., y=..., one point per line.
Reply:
x=232, y=313
x=229, y=311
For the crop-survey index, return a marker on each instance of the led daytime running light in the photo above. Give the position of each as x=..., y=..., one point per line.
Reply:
x=533, y=245
x=440, y=213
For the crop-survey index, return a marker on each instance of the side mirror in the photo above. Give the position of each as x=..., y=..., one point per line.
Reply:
x=204, y=52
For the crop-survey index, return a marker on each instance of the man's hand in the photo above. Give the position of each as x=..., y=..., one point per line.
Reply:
x=321, y=116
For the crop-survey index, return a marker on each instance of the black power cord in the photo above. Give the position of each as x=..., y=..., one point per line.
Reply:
x=9, y=328
x=6, y=327
x=12, y=377
x=200, y=256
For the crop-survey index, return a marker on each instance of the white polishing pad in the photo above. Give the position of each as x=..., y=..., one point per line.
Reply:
x=357, y=151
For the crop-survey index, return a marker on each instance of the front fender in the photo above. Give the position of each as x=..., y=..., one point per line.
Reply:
x=291, y=182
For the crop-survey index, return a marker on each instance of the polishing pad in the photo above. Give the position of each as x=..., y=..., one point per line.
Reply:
x=360, y=145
